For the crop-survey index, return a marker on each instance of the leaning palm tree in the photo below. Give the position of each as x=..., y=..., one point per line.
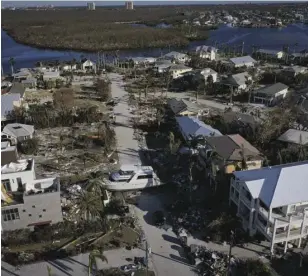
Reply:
x=12, y=63
x=88, y=205
x=95, y=253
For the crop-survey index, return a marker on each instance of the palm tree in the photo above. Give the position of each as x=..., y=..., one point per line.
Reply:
x=89, y=205
x=12, y=63
x=49, y=270
x=94, y=254
x=95, y=186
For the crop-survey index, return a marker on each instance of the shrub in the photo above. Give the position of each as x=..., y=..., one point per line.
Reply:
x=29, y=146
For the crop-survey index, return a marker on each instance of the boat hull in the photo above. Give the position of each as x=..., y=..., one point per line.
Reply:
x=129, y=186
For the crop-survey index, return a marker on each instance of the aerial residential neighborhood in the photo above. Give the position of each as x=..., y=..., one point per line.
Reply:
x=183, y=156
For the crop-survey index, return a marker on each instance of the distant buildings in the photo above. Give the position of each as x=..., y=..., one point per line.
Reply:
x=129, y=5
x=91, y=6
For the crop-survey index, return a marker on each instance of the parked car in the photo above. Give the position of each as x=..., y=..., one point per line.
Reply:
x=129, y=268
x=159, y=218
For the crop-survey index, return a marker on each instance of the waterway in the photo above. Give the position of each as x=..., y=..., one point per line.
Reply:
x=295, y=35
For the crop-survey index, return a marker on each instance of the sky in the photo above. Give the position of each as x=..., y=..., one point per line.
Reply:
x=119, y=3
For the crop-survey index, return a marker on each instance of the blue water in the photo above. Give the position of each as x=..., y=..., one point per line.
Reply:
x=270, y=38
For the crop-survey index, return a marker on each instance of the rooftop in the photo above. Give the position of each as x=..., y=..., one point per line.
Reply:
x=179, y=67
x=191, y=126
x=174, y=54
x=230, y=147
x=242, y=60
x=18, y=130
x=271, y=90
x=178, y=106
x=17, y=88
x=7, y=103
x=269, y=52
x=278, y=185
x=205, y=48
x=295, y=136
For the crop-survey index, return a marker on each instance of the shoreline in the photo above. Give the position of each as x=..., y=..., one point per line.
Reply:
x=92, y=51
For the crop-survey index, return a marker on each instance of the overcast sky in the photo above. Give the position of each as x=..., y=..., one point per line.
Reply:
x=116, y=3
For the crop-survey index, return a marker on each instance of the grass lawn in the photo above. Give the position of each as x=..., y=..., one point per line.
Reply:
x=38, y=246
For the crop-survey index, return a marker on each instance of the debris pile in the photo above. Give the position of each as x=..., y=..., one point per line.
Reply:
x=208, y=262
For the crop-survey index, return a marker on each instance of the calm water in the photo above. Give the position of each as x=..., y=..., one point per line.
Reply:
x=26, y=56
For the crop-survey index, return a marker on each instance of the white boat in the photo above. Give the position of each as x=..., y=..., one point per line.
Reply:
x=132, y=177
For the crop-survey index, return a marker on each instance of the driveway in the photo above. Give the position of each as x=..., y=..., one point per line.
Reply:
x=167, y=255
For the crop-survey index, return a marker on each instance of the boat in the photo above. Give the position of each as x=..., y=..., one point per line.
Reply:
x=132, y=177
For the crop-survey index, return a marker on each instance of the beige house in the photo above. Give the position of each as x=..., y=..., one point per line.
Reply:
x=178, y=69
x=183, y=107
x=229, y=151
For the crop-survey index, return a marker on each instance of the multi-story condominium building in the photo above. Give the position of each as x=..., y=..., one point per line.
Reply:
x=129, y=5
x=273, y=201
x=27, y=202
x=91, y=6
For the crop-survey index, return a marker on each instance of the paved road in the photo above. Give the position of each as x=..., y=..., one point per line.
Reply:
x=167, y=256
x=72, y=266
x=126, y=145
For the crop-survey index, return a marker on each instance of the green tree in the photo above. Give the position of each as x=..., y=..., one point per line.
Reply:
x=89, y=205
x=253, y=268
x=93, y=256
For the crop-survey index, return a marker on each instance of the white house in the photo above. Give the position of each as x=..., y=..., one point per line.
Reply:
x=177, y=70
x=27, y=201
x=88, y=65
x=271, y=53
x=238, y=81
x=162, y=65
x=207, y=52
x=209, y=72
x=273, y=201
x=69, y=67
x=176, y=56
x=51, y=75
x=271, y=94
x=17, y=132
x=243, y=61
x=142, y=60
x=191, y=126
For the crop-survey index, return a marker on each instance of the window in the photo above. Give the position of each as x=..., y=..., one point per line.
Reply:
x=24, y=210
x=33, y=206
x=44, y=210
x=40, y=216
x=10, y=214
x=30, y=215
x=7, y=185
x=147, y=176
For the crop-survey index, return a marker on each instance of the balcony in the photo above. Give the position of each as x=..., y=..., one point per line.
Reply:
x=283, y=220
x=294, y=234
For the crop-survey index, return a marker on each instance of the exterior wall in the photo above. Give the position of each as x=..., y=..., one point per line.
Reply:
x=208, y=55
x=251, y=165
x=26, y=177
x=38, y=208
x=248, y=64
x=257, y=218
x=280, y=55
x=177, y=73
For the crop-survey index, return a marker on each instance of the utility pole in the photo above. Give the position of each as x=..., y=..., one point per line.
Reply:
x=243, y=48
x=230, y=251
